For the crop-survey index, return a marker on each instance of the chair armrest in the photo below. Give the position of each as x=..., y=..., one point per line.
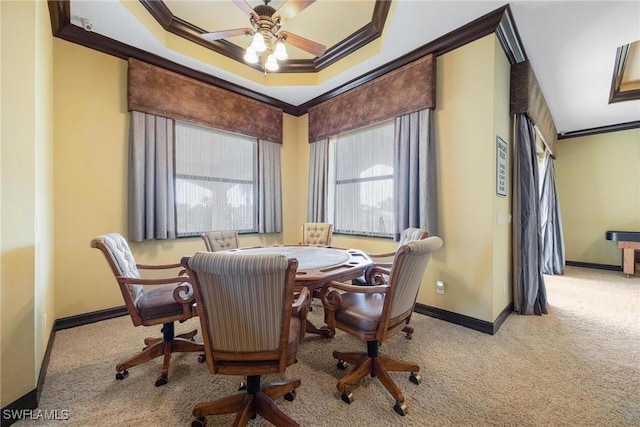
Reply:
x=301, y=304
x=374, y=275
x=384, y=255
x=140, y=281
x=332, y=300
x=300, y=309
x=158, y=266
x=183, y=294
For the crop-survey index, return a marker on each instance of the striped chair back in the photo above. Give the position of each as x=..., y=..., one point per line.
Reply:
x=244, y=301
x=409, y=265
x=412, y=233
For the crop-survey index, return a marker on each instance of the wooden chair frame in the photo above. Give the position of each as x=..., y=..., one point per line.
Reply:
x=253, y=398
x=169, y=343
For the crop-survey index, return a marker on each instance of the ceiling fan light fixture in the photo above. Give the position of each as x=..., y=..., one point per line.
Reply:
x=251, y=56
x=258, y=42
x=280, y=51
x=267, y=45
x=271, y=64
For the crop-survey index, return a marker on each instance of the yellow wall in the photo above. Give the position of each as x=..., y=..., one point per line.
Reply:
x=44, y=293
x=598, y=179
x=470, y=112
x=502, y=217
x=26, y=216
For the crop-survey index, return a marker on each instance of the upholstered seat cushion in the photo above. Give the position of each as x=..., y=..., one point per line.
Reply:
x=360, y=311
x=159, y=302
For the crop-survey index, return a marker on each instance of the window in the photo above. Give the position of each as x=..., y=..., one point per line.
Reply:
x=361, y=189
x=216, y=180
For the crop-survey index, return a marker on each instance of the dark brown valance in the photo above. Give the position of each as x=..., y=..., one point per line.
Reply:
x=409, y=88
x=527, y=97
x=164, y=93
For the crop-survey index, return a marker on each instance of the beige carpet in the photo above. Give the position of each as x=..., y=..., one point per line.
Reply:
x=577, y=366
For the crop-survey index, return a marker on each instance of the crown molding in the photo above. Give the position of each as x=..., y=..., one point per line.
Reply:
x=371, y=31
x=62, y=28
x=601, y=129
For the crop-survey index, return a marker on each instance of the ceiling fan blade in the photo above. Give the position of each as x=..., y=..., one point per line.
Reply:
x=291, y=8
x=217, y=35
x=245, y=7
x=307, y=45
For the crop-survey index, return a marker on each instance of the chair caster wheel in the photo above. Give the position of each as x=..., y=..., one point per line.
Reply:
x=200, y=422
x=408, y=336
x=400, y=408
x=202, y=358
x=347, y=397
x=160, y=382
x=242, y=386
x=415, y=378
x=341, y=365
x=122, y=375
x=290, y=396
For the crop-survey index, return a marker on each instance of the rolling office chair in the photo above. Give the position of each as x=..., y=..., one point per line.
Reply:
x=376, y=313
x=170, y=300
x=251, y=327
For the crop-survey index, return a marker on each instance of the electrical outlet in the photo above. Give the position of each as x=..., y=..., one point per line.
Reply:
x=45, y=321
x=440, y=287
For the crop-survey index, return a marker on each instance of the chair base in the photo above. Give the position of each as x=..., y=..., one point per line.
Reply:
x=156, y=347
x=376, y=365
x=252, y=401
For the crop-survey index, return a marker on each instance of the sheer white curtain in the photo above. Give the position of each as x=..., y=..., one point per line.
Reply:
x=361, y=181
x=151, y=178
x=269, y=187
x=216, y=176
x=553, y=255
x=318, y=183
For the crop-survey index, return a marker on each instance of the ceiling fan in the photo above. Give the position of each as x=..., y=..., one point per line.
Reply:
x=268, y=39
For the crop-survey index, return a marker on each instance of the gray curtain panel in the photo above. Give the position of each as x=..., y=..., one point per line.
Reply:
x=415, y=173
x=530, y=295
x=553, y=255
x=318, y=184
x=269, y=187
x=151, y=178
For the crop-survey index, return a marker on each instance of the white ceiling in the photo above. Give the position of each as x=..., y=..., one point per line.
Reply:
x=571, y=44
